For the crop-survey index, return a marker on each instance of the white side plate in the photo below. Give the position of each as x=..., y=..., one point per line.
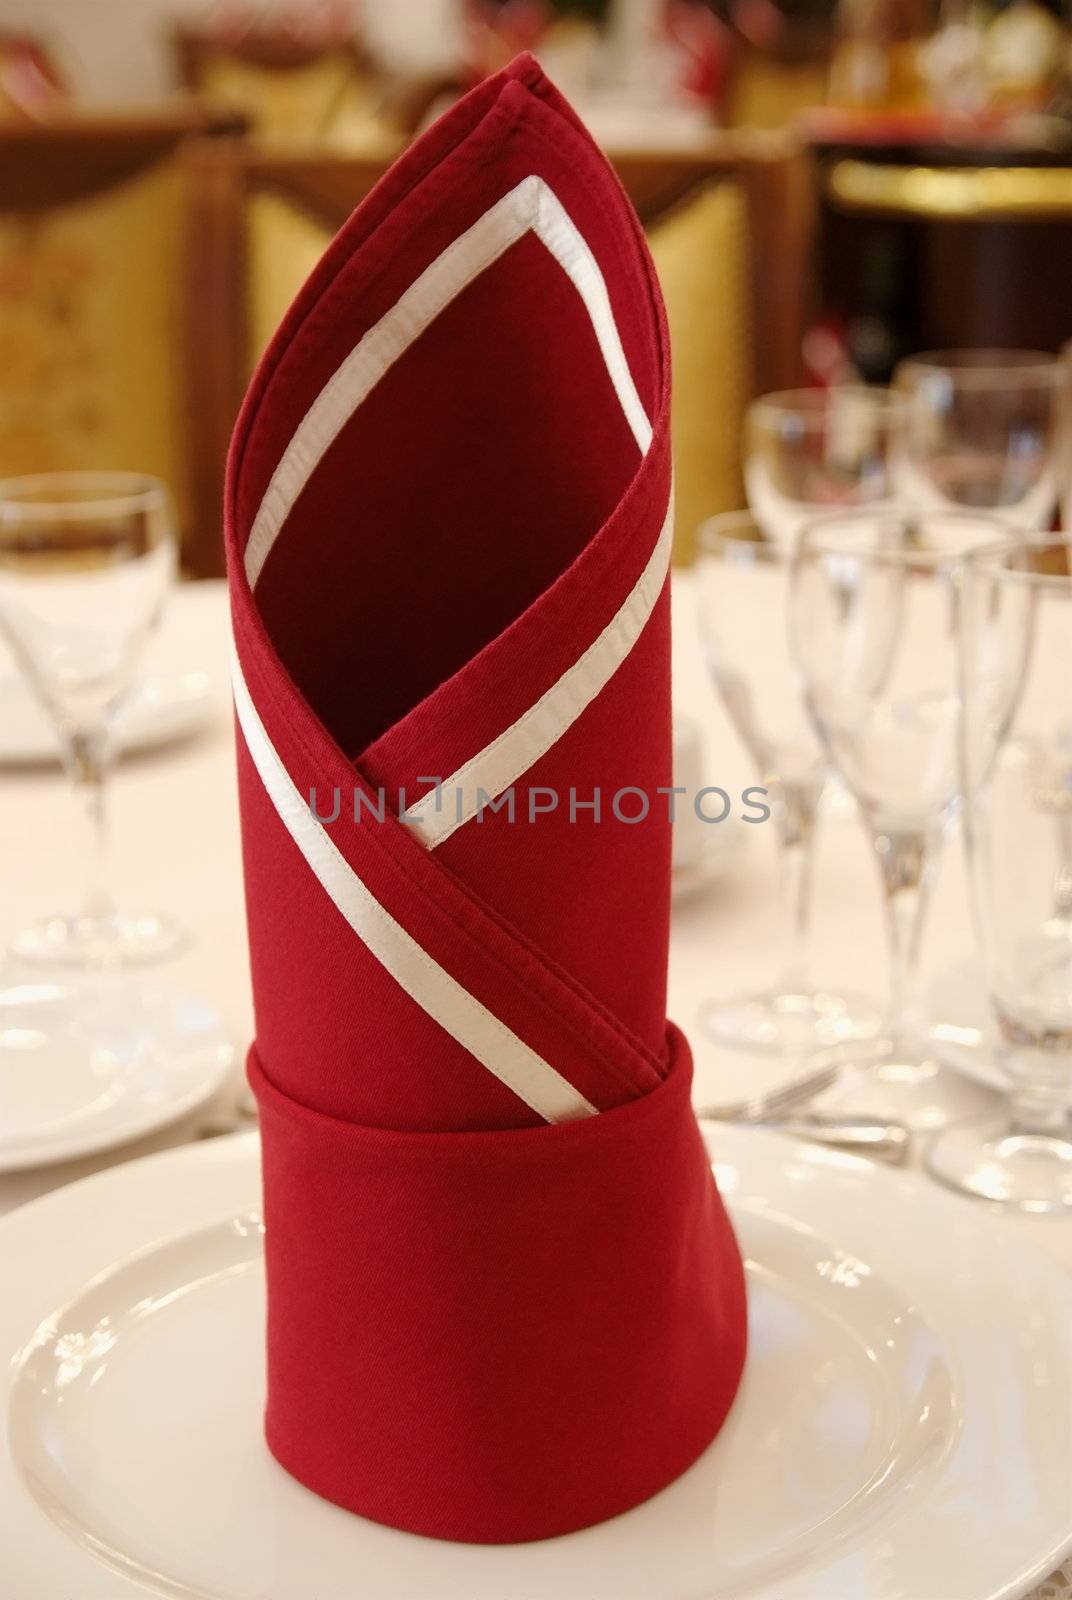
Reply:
x=86, y=1064
x=162, y=707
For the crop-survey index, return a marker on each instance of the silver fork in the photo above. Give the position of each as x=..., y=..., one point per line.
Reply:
x=862, y=1135
x=761, y=1107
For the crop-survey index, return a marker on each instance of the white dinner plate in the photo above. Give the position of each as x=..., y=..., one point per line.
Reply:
x=960, y=1027
x=86, y=1064
x=902, y=1432
x=162, y=707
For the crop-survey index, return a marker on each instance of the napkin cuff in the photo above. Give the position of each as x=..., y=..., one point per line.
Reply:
x=497, y=1336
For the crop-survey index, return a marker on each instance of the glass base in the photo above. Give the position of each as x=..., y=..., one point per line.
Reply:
x=922, y=1094
x=987, y=1158
x=85, y=943
x=790, y=1024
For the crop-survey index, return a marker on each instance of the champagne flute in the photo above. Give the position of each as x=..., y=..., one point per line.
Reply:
x=741, y=578
x=873, y=612
x=86, y=562
x=979, y=430
x=810, y=451
x=1016, y=771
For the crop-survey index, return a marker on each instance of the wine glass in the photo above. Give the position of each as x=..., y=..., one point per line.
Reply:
x=809, y=451
x=741, y=578
x=86, y=562
x=1016, y=767
x=873, y=610
x=979, y=430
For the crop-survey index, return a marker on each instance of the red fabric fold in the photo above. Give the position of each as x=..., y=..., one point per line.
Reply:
x=616, y=1298
x=448, y=524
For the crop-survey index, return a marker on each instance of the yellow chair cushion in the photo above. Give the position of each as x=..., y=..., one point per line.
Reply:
x=700, y=254
x=286, y=105
x=772, y=94
x=283, y=245
x=91, y=334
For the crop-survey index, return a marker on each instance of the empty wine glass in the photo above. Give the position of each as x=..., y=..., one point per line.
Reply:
x=873, y=612
x=86, y=561
x=1016, y=765
x=742, y=581
x=979, y=430
x=810, y=451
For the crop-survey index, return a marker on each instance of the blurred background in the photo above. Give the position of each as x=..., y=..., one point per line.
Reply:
x=828, y=185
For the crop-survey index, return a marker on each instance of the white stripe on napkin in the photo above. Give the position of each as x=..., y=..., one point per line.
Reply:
x=530, y=207
x=458, y=1012
x=486, y=775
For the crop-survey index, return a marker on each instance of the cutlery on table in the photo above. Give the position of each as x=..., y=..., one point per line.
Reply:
x=862, y=1135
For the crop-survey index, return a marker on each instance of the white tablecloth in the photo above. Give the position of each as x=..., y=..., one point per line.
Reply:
x=176, y=848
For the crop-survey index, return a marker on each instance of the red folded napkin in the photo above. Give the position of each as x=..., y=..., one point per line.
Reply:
x=504, y=1300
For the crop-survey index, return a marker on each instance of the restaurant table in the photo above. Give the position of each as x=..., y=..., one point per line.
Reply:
x=175, y=848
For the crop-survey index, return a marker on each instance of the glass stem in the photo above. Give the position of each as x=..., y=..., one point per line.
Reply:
x=907, y=864
x=89, y=759
x=1039, y=1093
x=796, y=834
